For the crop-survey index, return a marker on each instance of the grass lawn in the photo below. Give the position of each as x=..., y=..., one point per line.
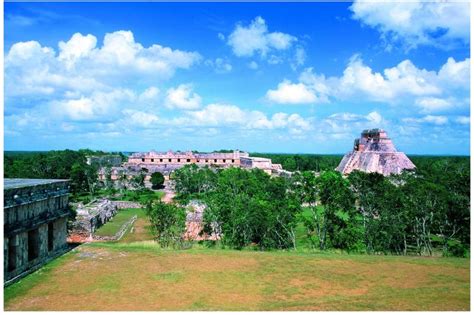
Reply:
x=113, y=226
x=138, y=275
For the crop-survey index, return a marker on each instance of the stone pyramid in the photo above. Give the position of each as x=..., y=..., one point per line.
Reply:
x=375, y=152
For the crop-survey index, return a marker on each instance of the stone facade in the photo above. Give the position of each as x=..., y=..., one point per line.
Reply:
x=167, y=162
x=375, y=152
x=35, y=224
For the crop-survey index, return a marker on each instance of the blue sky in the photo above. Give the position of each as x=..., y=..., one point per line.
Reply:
x=267, y=77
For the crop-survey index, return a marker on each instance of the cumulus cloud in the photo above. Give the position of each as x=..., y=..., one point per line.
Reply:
x=255, y=38
x=433, y=104
x=182, y=97
x=77, y=47
x=403, y=83
x=417, y=22
x=34, y=70
x=139, y=118
x=289, y=93
x=220, y=115
x=103, y=106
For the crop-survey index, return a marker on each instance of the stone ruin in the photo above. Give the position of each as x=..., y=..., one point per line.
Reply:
x=194, y=223
x=89, y=218
x=375, y=152
x=35, y=213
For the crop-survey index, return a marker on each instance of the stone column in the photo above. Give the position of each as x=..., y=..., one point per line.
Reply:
x=22, y=251
x=43, y=240
x=60, y=233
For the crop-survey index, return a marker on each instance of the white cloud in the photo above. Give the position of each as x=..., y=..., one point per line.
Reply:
x=290, y=93
x=182, y=97
x=433, y=104
x=463, y=120
x=255, y=38
x=104, y=106
x=253, y=65
x=416, y=22
x=431, y=119
x=150, y=94
x=299, y=59
x=226, y=115
x=77, y=47
x=456, y=74
x=402, y=83
x=139, y=118
x=220, y=65
x=33, y=71
x=345, y=125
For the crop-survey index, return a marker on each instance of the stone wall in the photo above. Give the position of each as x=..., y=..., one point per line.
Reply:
x=90, y=217
x=127, y=204
x=35, y=224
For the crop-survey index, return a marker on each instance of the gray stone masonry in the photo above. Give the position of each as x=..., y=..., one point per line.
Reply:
x=35, y=224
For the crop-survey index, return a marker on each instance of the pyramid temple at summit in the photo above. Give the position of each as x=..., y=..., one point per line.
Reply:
x=375, y=152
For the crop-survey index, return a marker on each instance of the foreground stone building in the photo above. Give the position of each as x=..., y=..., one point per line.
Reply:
x=35, y=224
x=375, y=152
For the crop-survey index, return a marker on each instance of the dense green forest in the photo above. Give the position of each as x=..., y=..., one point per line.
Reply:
x=63, y=164
x=423, y=212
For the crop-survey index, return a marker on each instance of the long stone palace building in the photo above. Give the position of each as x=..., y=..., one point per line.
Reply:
x=375, y=152
x=35, y=224
x=167, y=162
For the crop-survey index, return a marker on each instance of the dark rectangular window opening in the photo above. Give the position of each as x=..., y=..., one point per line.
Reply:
x=33, y=244
x=233, y=161
x=207, y=161
x=188, y=160
x=143, y=160
x=179, y=160
x=223, y=161
x=12, y=253
x=153, y=160
x=169, y=160
x=215, y=161
x=161, y=160
x=50, y=236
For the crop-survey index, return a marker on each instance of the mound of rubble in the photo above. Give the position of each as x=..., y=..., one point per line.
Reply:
x=90, y=217
x=375, y=152
x=194, y=223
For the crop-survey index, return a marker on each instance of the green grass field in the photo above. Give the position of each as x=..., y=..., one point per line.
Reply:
x=123, y=216
x=136, y=274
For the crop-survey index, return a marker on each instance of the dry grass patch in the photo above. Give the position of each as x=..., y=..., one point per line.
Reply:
x=140, y=276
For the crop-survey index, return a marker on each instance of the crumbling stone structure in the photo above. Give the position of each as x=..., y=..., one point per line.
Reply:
x=90, y=217
x=375, y=152
x=35, y=224
x=194, y=223
x=104, y=160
